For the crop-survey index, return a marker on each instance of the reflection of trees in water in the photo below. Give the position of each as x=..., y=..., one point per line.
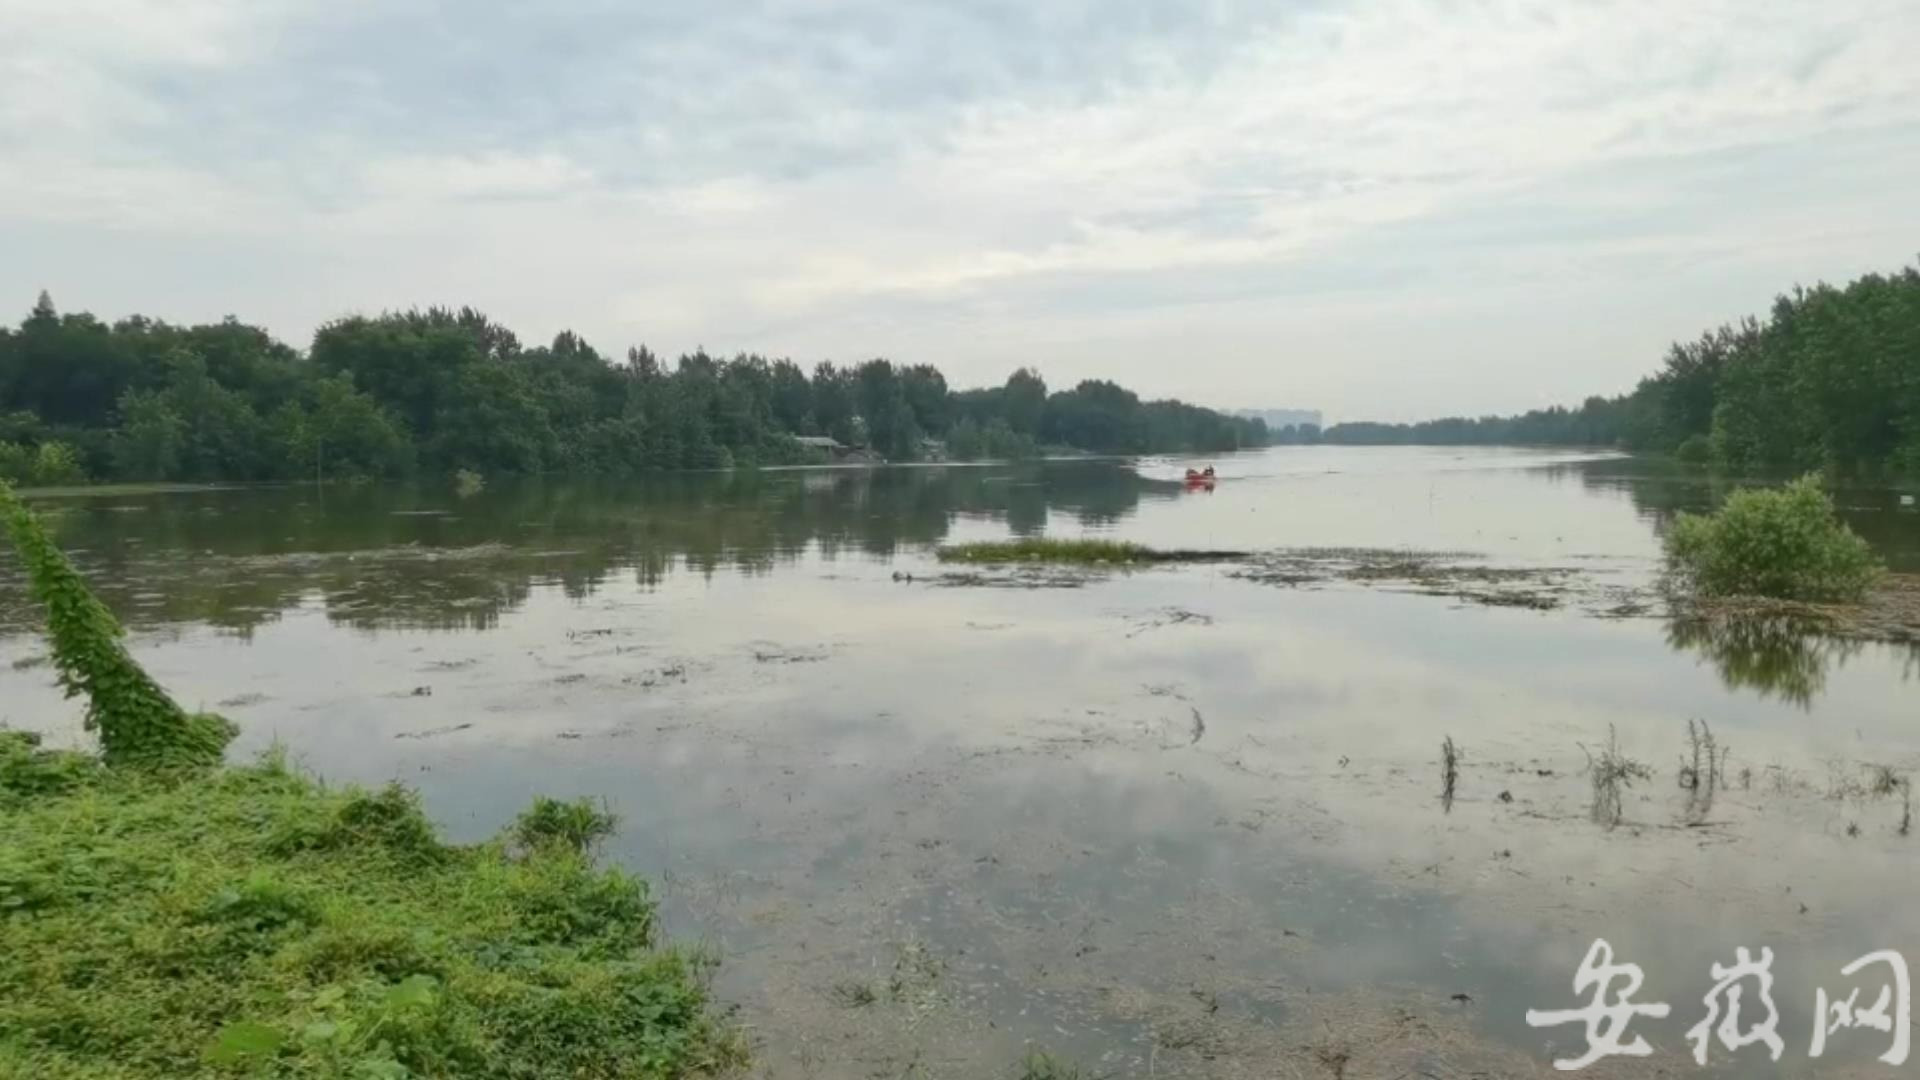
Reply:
x=1773, y=656
x=399, y=557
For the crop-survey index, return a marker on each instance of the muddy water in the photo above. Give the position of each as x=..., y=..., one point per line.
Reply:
x=1175, y=822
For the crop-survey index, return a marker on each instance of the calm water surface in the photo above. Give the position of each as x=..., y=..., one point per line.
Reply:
x=1171, y=822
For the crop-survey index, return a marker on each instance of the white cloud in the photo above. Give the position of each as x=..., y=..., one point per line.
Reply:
x=1344, y=122
x=487, y=176
x=1080, y=185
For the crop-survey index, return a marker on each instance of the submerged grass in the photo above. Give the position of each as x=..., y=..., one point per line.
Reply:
x=1040, y=1065
x=1085, y=552
x=254, y=922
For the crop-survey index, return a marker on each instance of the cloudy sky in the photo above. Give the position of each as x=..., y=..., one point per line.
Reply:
x=1390, y=209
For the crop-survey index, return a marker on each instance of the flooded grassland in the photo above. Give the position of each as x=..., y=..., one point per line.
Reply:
x=1173, y=820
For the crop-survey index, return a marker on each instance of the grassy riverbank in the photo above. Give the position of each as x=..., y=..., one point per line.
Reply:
x=165, y=914
x=251, y=921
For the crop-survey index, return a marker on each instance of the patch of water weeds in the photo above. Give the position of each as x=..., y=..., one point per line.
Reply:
x=1172, y=616
x=1017, y=577
x=1889, y=613
x=1079, y=552
x=1461, y=575
x=765, y=652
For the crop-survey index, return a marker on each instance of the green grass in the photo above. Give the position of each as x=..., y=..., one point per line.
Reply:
x=249, y=921
x=1041, y=549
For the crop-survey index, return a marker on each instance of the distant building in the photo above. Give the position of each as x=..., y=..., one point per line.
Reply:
x=835, y=451
x=823, y=448
x=1282, y=418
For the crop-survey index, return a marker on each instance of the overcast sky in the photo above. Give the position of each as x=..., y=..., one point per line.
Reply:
x=1394, y=209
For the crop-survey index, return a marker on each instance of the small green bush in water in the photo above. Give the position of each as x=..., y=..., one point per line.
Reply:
x=576, y=825
x=137, y=722
x=1786, y=544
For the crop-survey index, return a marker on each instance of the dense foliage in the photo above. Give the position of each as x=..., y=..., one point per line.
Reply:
x=137, y=722
x=1831, y=380
x=1785, y=544
x=254, y=923
x=443, y=390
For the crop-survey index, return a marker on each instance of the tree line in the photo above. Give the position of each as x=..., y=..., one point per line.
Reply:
x=442, y=390
x=1829, y=380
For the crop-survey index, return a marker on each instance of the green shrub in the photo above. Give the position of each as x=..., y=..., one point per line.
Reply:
x=16, y=463
x=623, y=1018
x=146, y=930
x=26, y=771
x=389, y=820
x=57, y=463
x=559, y=898
x=1786, y=544
x=575, y=825
x=260, y=903
x=52, y=462
x=1695, y=450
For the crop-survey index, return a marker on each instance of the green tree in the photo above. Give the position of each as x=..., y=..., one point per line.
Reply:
x=1025, y=401
x=336, y=431
x=489, y=418
x=834, y=408
x=151, y=438
x=64, y=369
x=792, y=399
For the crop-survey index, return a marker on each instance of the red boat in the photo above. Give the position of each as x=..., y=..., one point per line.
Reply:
x=1200, y=480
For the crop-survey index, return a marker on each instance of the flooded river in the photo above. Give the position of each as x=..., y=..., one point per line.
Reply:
x=1174, y=822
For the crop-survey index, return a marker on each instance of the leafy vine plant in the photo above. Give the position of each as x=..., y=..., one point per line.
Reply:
x=138, y=724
